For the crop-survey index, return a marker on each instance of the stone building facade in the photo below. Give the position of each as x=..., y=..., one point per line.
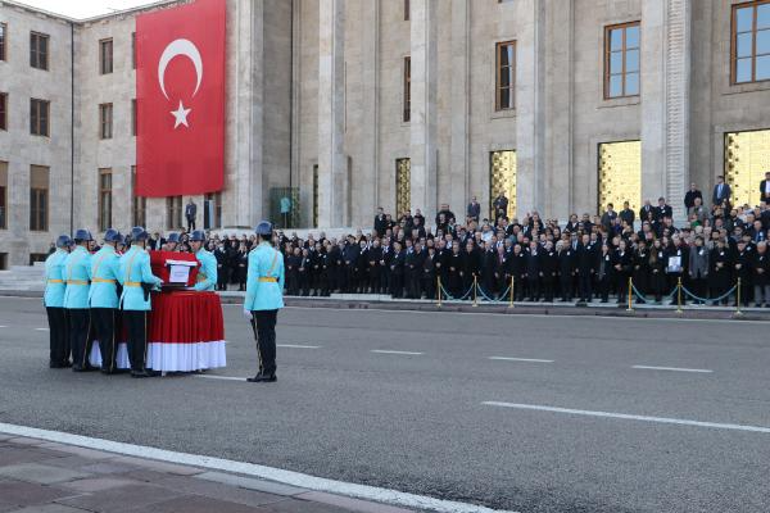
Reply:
x=347, y=105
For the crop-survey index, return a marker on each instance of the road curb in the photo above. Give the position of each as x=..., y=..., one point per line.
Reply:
x=568, y=310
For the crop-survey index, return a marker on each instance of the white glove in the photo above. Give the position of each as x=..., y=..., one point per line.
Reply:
x=247, y=313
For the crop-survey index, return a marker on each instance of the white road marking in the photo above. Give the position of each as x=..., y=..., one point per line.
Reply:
x=404, y=353
x=41, y=329
x=223, y=378
x=297, y=346
x=672, y=369
x=626, y=416
x=3, y=326
x=369, y=493
x=510, y=359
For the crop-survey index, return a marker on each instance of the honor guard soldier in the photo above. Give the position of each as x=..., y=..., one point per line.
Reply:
x=207, y=275
x=135, y=275
x=103, y=298
x=264, y=297
x=53, y=300
x=172, y=242
x=78, y=276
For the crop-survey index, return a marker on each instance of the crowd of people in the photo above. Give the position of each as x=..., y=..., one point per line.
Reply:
x=588, y=258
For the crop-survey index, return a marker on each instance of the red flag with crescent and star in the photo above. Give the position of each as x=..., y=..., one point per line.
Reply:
x=180, y=99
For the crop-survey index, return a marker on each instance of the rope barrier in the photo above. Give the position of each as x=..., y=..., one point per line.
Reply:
x=714, y=299
x=476, y=290
x=498, y=299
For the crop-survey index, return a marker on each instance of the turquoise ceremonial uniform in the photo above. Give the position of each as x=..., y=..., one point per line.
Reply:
x=55, y=277
x=104, y=278
x=264, y=286
x=133, y=270
x=207, y=274
x=77, y=274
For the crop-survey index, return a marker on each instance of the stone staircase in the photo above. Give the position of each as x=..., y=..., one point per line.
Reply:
x=24, y=277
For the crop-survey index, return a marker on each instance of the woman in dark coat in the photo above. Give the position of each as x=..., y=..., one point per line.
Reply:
x=657, y=264
x=720, y=278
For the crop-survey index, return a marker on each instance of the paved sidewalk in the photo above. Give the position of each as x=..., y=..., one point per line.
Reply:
x=42, y=477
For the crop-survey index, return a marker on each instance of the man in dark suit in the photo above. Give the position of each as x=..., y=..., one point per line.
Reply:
x=689, y=198
x=663, y=210
x=380, y=223
x=474, y=210
x=191, y=213
x=722, y=192
x=764, y=189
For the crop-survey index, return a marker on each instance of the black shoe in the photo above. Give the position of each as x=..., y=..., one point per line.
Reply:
x=139, y=374
x=256, y=379
x=272, y=378
x=107, y=371
x=78, y=368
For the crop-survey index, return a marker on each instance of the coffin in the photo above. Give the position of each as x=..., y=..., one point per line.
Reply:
x=177, y=270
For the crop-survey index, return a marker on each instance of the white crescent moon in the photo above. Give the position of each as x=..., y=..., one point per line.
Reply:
x=180, y=47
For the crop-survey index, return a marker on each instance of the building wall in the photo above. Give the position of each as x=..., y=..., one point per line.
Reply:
x=273, y=128
x=21, y=149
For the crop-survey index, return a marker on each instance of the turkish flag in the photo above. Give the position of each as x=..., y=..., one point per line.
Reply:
x=180, y=90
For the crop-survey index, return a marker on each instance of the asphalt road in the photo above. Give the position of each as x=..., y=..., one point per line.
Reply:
x=357, y=408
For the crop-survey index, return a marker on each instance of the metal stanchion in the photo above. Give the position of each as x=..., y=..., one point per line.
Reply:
x=438, y=290
x=475, y=291
x=510, y=303
x=738, y=299
x=679, y=295
x=630, y=295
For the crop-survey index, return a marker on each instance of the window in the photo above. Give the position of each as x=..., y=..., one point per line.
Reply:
x=133, y=50
x=105, y=56
x=403, y=186
x=407, y=89
x=3, y=261
x=750, y=53
x=38, y=50
x=620, y=174
x=174, y=212
x=105, y=199
x=38, y=117
x=3, y=195
x=38, y=200
x=105, y=121
x=133, y=117
x=621, y=60
x=3, y=111
x=747, y=155
x=406, y=10
x=505, y=99
x=3, y=41
x=139, y=210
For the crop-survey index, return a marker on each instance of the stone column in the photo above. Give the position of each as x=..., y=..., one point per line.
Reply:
x=666, y=46
x=423, y=117
x=459, y=165
x=559, y=90
x=244, y=120
x=530, y=108
x=332, y=163
x=369, y=200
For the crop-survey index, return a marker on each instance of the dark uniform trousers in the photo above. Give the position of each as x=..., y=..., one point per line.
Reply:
x=79, y=332
x=59, y=334
x=136, y=325
x=263, y=322
x=104, y=320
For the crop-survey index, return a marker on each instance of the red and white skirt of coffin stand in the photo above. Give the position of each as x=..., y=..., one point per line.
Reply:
x=185, y=333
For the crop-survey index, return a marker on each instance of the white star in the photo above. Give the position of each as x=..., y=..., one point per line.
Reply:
x=180, y=115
